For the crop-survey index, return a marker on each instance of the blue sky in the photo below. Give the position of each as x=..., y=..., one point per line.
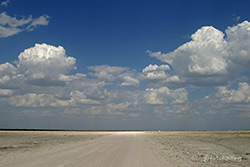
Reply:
x=169, y=65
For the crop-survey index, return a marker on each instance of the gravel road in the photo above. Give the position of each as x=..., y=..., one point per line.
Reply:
x=124, y=149
x=121, y=149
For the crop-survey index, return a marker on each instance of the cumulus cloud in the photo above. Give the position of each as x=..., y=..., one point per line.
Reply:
x=238, y=38
x=151, y=68
x=130, y=82
x=106, y=72
x=6, y=92
x=31, y=100
x=7, y=69
x=155, y=72
x=10, y=26
x=202, y=56
x=115, y=74
x=9, y=76
x=111, y=108
x=160, y=75
x=240, y=95
x=45, y=64
x=164, y=95
x=50, y=100
x=42, y=65
x=78, y=97
x=41, y=80
x=210, y=58
x=156, y=75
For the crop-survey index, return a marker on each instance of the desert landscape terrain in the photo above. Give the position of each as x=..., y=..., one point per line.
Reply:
x=124, y=148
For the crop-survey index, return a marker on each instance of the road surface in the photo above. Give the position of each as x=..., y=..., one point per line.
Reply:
x=122, y=149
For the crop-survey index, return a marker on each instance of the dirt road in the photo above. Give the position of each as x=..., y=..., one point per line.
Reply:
x=121, y=149
x=124, y=149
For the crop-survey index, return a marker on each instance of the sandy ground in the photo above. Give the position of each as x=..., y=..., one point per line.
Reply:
x=123, y=149
x=201, y=148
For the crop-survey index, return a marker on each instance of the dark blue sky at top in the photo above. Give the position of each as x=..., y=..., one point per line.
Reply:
x=117, y=32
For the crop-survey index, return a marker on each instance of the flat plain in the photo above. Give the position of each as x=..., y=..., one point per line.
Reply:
x=124, y=148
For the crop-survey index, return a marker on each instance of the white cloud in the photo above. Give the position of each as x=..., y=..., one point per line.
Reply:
x=130, y=82
x=155, y=72
x=156, y=75
x=7, y=69
x=42, y=65
x=106, y=72
x=160, y=75
x=68, y=78
x=6, y=20
x=6, y=92
x=42, y=20
x=76, y=98
x=240, y=95
x=210, y=58
x=165, y=95
x=45, y=64
x=123, y=75
x=204, y=55
x=31, y=100
x=79, y=97
x=5, y=3
x=41, y=70
x=4, y=79
x=10, y=26
x=238, y=38
x=41, y=80
x=173, y=79
x=6, y=32
x=115, y=107
x=9, y=77
x=151, y=68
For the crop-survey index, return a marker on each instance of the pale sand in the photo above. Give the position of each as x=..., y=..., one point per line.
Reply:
x=201, y=148
x=123, y=149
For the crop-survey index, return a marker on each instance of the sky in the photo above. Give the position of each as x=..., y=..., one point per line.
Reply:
x=125, y=65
